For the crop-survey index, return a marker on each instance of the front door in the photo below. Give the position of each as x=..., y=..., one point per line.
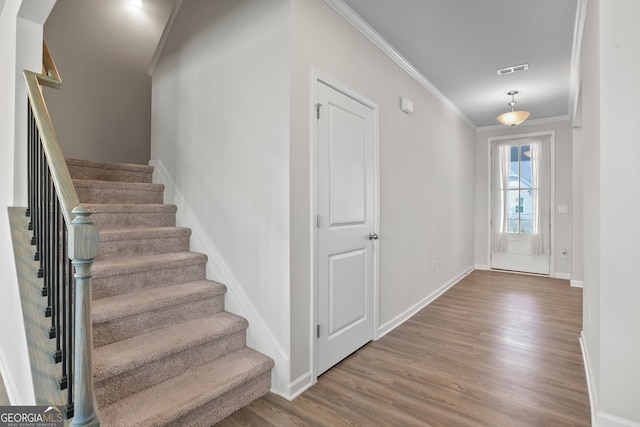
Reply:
x=346, y=197
x=520, y=205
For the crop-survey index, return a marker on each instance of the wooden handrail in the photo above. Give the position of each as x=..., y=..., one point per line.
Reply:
x=81, y=242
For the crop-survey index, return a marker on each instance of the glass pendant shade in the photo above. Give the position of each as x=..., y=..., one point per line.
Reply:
x=513, y=118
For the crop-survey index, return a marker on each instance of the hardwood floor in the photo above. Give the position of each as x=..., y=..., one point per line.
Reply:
x=498, y=349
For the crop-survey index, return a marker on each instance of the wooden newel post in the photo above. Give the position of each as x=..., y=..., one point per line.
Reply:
x=83, y=248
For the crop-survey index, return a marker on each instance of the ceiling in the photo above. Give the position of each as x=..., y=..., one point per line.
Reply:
x=458, y=45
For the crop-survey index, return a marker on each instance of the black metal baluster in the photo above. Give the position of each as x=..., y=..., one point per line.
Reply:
x=46, y=254
x=40, y=218
x=58, y=308
x=30, y=136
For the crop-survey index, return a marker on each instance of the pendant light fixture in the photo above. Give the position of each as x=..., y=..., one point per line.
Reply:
x=513, y=118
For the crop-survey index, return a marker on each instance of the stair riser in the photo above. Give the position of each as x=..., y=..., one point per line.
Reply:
x=113, y=249
x=116, y=195
x=133, y=381
x=118, y=284
x=220, y=408
x=106, y=173
x=120, y=329
x=106, y=221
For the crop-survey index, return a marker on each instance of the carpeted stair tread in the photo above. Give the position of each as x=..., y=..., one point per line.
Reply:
x=166, y=351
x=143, y=233
x=109, y=216
x=98, y=185
x=123, y=316
x=128, y=242
x=90, y=191
x=145, y=263
x=167, y=402
x=131, y=353
x=108, y=309
x=105, y=171
x=130, y=208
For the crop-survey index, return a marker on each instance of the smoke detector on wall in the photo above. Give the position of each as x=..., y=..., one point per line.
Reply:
x=513, y=69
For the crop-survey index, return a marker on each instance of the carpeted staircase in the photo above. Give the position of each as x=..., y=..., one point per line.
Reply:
x=166, y=352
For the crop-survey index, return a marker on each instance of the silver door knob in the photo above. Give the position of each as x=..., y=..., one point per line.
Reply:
x=373, y=236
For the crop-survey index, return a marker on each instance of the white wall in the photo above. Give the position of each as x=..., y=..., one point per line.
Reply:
x=562, y=190
x=220, y=142
x=426, y=175
x=20, y=48
x=610, y=88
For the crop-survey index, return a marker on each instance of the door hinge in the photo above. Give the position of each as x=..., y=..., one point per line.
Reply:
x=318, y=222
x=318, y=331
x=318, y=110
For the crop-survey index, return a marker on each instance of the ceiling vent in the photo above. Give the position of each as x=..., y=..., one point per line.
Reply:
x=513, y=69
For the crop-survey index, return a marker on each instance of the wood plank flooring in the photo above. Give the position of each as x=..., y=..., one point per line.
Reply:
x=498, y=349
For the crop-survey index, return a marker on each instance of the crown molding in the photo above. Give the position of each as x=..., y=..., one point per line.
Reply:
x=163, y=38
x=361, y=25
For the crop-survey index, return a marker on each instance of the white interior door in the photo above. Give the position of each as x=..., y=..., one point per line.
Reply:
x=346, y=197
x=520, y=205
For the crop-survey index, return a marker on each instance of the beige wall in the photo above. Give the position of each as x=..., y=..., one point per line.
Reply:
x=426, y=174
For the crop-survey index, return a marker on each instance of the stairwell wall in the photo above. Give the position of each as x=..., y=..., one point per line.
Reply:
x=220, y=142
x=20, y=48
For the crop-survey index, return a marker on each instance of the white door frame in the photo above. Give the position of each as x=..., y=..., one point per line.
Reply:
x=318, y=77
x=552, y=201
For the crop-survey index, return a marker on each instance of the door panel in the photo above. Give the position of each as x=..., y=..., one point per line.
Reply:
x=515, y=185
x=345, y=193
x=347, y=291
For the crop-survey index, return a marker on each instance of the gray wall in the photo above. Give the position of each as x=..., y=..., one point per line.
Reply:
x=102, y=49
x=426, y=175
x=562, y=191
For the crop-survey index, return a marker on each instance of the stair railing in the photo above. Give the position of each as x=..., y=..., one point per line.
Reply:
x=66, y=241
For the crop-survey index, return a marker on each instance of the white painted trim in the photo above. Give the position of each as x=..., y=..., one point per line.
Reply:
x=534, y=122
x=575, y=76
x=259, y=336
x=563, y=276
x=591, y=386
x=411, y=311
x=598, y=417
x=483, y=267
x=552, y=195
x=164, y=37
x=300, y=385
x=361, y=25
x=577, y=283
x=318, y=76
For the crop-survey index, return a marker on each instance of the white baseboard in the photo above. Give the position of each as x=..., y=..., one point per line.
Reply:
x=407, y=314
x=259, y=336
x=577, y=283
x=563, y=276
x=298, y=386
x=599, y=418
x=482, y=267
